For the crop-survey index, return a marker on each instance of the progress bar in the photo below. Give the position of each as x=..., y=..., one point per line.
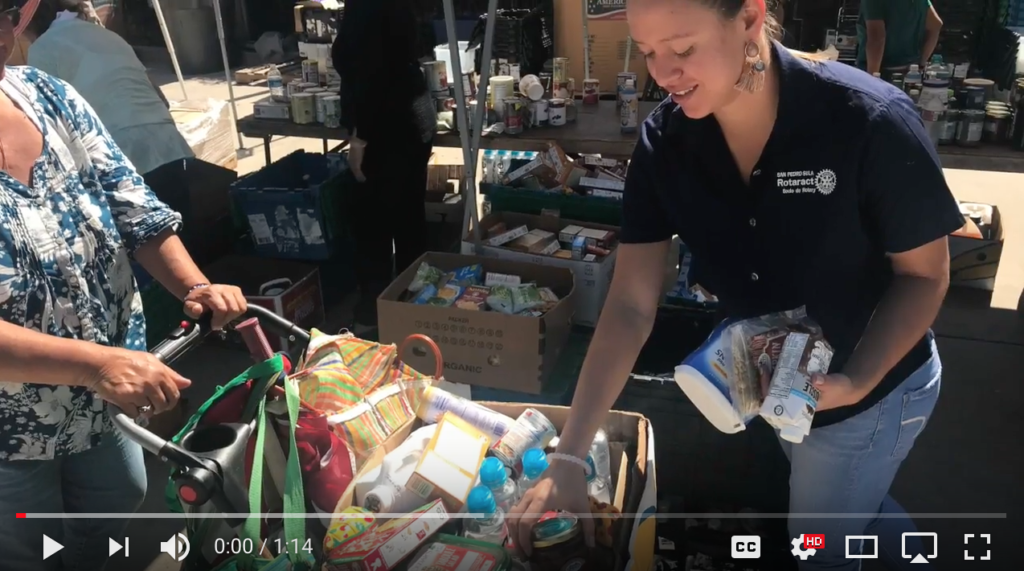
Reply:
x=470, y=515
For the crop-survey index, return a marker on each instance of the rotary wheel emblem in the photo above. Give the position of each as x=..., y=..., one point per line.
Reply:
x=825, y=181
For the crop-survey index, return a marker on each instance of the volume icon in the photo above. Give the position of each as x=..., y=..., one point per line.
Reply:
x=177, y=547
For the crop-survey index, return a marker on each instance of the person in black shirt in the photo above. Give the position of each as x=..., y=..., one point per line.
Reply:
x=802, y=183
x=386, y=107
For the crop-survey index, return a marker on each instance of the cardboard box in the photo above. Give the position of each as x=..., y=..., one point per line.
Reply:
x=267, y=108
x=300, y=302
x=484, y=348
x=448, y=469
x=608, y=30
x=973, y=262
x=631, y=440
x=593, y=278
x=385, y=547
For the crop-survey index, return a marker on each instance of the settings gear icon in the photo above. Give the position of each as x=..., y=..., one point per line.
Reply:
x=799, y=550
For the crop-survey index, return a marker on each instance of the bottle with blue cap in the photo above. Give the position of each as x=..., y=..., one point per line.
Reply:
x=535, y=462
x=488, y=525
x=494, y=475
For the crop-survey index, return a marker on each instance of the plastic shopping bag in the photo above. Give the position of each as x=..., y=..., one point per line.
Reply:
x=727, y=378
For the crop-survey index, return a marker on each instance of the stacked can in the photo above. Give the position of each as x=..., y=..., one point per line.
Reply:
x=311, y=72
x=332, y=111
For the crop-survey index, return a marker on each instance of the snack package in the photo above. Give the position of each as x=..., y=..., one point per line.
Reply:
x=548, y=296
x=425, y=275
x=500, y=299
x=525, y=298
x=474, y=298
x=428, y=292
x=465, y=277
x=728, y=377
x=446, y=295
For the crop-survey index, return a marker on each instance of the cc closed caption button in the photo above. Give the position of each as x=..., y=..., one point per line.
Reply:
x=746, y=546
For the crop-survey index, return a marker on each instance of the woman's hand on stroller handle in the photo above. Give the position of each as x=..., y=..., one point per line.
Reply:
x=179, y=342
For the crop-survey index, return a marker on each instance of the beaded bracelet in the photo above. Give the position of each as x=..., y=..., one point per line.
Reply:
x=568, y=458
x=194, y=288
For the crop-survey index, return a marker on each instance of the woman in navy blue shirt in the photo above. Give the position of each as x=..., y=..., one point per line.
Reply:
x=795, y=183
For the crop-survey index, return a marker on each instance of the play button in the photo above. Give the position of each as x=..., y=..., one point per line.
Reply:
x=114, y=547
x=50, y=547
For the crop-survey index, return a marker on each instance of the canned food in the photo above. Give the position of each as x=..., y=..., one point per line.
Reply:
x=437, y=75
x=558, y=544
x=948, y=135
x=556, y=112
x=538, y=112
x=972, y=122
x=311, y=71
x=332, y=111
x=303, y=108
x=319, y=98
x=294, y=86
x=591, y=91
x=513, y=115
x=531, y=430
x=445, y=103
x=997, y=126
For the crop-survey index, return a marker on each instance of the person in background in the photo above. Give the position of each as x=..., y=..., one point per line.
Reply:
x=893, y=34
x=68, y=43
x=388, y=111
x=781, y=214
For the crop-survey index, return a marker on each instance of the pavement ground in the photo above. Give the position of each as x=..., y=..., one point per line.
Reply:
x=968, y=461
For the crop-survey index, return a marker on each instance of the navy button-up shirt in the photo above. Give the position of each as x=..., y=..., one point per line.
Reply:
x=848, y=174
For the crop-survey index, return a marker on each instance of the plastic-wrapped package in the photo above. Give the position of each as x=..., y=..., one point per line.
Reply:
x=728, y=377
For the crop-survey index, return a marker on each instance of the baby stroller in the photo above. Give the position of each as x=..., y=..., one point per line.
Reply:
x=211, y=461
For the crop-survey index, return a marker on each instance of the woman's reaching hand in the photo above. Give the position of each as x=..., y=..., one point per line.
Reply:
x=562, y=487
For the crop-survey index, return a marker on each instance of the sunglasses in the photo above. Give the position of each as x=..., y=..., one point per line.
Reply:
x=12, y=15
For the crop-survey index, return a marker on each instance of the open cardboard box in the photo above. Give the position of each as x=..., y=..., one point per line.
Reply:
x=974, y=261
x=593, y=279
x=631, y=441
x=484, y=348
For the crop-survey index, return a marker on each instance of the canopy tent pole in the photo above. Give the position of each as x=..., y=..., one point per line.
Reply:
x=170, y=46
x=242, y=151
x=470, y=142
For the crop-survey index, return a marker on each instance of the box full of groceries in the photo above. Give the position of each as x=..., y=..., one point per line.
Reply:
x=587, y=249
x=499, y=323
x=492, y=452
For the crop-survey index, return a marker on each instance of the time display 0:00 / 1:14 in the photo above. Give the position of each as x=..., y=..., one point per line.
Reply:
x=239, y=546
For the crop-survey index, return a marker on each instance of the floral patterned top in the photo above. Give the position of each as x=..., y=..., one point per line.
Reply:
x=64, y=260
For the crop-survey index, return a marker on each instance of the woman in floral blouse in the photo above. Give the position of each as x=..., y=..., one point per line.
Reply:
x=73, y=212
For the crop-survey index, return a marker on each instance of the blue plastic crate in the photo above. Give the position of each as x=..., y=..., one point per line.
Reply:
x=294, y=208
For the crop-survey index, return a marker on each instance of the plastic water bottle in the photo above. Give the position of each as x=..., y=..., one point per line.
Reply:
x=535, y=462
x=489, y=526
x=503, y=488
x=599, y=483
x=276, y=84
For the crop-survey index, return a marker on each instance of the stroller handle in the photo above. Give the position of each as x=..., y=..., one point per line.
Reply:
x=179, y=342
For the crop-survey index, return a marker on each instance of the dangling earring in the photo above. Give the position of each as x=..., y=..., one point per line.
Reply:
x=752, y=78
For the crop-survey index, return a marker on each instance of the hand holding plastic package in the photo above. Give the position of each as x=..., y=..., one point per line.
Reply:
x=730, y=375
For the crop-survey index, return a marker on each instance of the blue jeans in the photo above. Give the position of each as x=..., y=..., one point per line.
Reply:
x=109, y=478
x=848, y=467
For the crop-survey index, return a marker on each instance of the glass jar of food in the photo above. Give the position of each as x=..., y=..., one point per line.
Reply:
x=558, y=544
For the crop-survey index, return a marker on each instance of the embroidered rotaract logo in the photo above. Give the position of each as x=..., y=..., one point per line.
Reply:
x=806, y=182
x=825, y=181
